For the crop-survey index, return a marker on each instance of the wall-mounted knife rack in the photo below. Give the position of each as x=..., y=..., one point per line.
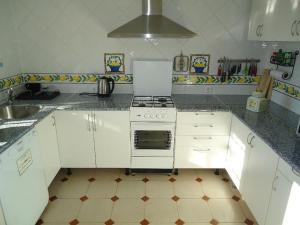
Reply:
x=235, y=61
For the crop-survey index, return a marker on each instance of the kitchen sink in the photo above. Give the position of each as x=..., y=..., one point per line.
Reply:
x=18, y=112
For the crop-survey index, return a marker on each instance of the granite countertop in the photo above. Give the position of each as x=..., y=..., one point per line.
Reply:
x=276, y=126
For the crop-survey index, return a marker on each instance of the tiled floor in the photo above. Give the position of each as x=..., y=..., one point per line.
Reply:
x=194, y=197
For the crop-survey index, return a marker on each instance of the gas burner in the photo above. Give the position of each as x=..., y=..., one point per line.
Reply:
x=156, y=101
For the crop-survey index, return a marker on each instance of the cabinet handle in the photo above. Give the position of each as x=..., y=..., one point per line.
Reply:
x=201, y=150
x=210, y=114
x=275, y=181
x=88, y=123
x=297, y=28
x=95, y=122
x=203, y=125
x=296, y=172
x=248, y=138
x=202, y=138
x=53, y=119
x=292, y=28
x=261, y=30
x=257, y=32
x=250, y=143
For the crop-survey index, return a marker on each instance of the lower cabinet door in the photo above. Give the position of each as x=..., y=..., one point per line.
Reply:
x=199, y=157
x=259, y=177
x=279, y=213
x=75, y=139
x=48, y=147
x=112, y=139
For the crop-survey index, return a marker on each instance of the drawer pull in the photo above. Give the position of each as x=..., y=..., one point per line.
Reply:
x=296, y=172
x=204, y=114
x=201, y=150
x=202, y=138
x=203, y=125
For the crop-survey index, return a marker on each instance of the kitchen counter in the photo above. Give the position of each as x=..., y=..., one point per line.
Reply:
x=276, y=126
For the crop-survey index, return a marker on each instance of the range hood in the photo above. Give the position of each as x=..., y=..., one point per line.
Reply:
x=151, y=24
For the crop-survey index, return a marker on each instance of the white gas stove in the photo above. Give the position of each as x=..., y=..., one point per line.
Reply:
x=152, y=116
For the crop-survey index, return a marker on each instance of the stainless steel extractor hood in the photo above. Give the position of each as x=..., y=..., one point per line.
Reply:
x=151, y=24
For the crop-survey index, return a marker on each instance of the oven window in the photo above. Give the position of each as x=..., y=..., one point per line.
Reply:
x=154, y=139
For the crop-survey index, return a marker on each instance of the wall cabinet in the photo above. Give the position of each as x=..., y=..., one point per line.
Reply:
x=112, y=139
x=275, y=20
x=201, y=139
x=259, y=176
x=48, y=147
x=75, y=139
x=285, y=201
x=238, y=152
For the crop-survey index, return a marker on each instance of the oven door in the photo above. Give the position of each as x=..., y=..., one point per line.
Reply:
x=152, y=139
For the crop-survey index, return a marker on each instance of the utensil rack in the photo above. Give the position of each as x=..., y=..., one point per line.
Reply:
x=236, y=61
x=284, y=59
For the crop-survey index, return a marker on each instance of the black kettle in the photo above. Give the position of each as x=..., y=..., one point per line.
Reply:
x=106, y=86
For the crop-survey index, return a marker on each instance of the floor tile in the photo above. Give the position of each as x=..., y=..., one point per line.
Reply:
x=161, y=211
x=95, y=210
x=102, y=189
x=157, y=176
x=107, y=174
x=72, y=188
x=132, y=177
x=188, y=189
x=208, y=174
x=246, y=210
x=159, y=189
x=226, y=210
x=194, y=210
x=186, y=174
x=216, y=188
x=128, y=210
x=61, y=210
x=131, y=189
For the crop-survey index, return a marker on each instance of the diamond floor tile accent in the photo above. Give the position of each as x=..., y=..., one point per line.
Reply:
x=236, y=198
x=115, y=198
x=145, y=198
x=179, y=222
x=53, y=198
x=84, y=198
x=214, y=222
x=145, y=180
x=249, y=222
x=175, y=198
x=64, y=179
x=199, y=180
x=39, y=222
x=109, y=222
x=205, y=198
x=144, y=222
x=74, y=222
x=172, y=179
x=92, y=179
x=225, y=180
x=118, y=180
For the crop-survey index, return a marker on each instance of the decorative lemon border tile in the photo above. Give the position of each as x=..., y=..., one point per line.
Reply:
x=11, y=82
x=211, y=79
x=287, y=89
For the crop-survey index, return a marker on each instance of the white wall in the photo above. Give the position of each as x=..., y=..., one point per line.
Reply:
x=70, y=35
x=8, y=44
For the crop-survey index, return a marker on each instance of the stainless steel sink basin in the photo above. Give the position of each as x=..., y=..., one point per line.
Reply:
x=18, y=112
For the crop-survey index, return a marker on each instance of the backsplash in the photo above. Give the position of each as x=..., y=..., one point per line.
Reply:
x=70, y=36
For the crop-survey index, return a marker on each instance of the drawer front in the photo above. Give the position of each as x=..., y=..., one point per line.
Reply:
x=204, y=128
x=204, y=117
x=203, y=141
x=191, y=157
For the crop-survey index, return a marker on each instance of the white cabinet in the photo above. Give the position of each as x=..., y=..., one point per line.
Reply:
x=75, y=139
x=238, y=152
x=112, y=139
x=259, y=176
x=48, y=147
x=23, y=190
x=275, y=20
x=257, y=26
x=285, y=200
x=201, y=139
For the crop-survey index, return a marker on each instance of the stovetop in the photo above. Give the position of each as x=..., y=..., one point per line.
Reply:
x=153, y=101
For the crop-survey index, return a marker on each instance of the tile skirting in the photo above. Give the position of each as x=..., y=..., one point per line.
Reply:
x=287, y=89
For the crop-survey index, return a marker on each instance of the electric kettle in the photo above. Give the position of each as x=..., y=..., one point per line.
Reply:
x=106, y=86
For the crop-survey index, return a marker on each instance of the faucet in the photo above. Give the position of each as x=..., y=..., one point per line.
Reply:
x=11, y=96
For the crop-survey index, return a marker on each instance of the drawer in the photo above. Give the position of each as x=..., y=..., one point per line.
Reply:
x=204, y=117
x=203, y=128
x=152, y=162
x=203, y=141
x=290, y=173
x=191, y=157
